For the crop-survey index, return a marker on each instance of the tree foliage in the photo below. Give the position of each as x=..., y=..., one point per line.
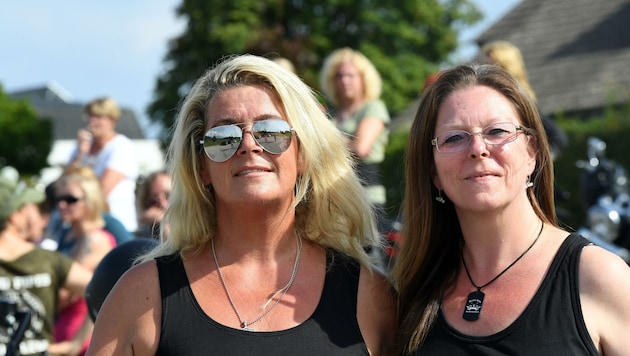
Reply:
x=405, y=39
x=25, y=140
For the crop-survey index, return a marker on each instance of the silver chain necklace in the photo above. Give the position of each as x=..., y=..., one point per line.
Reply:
x=283, y=291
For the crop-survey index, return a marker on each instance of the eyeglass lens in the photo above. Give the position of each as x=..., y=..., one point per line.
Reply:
x=493, y=134
x=221, y=143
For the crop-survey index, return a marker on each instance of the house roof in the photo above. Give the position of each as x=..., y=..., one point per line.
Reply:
x=52, y=102
x=577, y=52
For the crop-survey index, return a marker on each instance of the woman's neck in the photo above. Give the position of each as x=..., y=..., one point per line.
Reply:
x=348, y=110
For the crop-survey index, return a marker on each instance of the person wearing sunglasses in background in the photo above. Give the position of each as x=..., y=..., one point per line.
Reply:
x=152, y=197
x=81, y=203
x=485, y=269
x=268, y=229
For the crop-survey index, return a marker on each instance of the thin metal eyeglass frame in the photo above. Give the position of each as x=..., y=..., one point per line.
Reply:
x=518, y=128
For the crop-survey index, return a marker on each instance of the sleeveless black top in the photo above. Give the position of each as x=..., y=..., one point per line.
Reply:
x=333, y=328
x=552, y=323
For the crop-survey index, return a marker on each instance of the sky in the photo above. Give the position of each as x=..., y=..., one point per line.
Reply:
x=116, y=48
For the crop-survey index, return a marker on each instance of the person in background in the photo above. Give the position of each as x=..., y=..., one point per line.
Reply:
x=484, y=268
x=152, y=197
x=508, y=56
x=81, y=204
x=30, y=277
x=286, y=63
x=38, y=219
x=56, y=228
x=353, y=86
x=268, y=229
x=111, y=155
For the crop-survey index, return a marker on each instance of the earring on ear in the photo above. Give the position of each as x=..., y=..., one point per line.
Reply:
x=529, y=183
x=439, y=198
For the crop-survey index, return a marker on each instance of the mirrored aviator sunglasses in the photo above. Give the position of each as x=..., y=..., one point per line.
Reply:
x=221, y=143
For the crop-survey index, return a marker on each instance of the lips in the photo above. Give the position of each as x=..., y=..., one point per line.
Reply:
x=481, y=175
x=248, y=170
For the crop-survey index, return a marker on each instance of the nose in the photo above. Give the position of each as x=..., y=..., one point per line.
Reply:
x=248, y=143
x=478, y=146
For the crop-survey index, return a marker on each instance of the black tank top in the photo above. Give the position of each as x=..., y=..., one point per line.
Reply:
x=333, y=328
x=552, y=323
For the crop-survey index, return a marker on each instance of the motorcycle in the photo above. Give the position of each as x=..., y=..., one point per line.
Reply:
x=605, y=194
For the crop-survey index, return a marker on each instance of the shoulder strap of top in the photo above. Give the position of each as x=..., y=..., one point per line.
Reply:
x=171, y=274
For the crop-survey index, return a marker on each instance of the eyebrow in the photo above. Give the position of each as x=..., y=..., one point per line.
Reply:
x=234, y=121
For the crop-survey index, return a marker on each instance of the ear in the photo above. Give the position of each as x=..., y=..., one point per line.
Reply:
x=205, y=172
x=300, y=165
x=436, y=179
x=532, y=150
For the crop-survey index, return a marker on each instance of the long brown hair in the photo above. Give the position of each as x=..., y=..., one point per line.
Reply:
x=429, y=259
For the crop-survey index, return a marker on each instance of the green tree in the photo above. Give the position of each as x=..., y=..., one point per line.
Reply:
x=25, y=140
x=405, y=39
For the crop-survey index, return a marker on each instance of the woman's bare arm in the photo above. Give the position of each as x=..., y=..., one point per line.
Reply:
x=128, y=323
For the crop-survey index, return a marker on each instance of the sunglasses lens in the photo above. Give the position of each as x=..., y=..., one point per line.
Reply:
x=221, y=142
x=273, y=135
x=68, y=199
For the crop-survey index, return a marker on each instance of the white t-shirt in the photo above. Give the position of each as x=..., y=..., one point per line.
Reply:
x=119, y=155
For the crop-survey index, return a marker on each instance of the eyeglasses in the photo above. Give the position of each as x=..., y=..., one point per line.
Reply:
x=496, y=134
x=221, y=143
x=68, y=199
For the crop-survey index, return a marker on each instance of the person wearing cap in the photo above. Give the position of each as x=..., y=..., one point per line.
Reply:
x=30, y=277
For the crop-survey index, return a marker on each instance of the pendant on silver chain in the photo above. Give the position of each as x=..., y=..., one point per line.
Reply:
x=244, y=327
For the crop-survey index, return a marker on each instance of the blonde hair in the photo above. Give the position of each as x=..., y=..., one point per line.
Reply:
x=372, y=82
x=330, y=205
x=508, y=56
x=103, y=107
x=285, y=63
x=94, y=198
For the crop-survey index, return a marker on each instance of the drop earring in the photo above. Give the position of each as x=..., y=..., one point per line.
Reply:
x=439, y=198
x=529, y=183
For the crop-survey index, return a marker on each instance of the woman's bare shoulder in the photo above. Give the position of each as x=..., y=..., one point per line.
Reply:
x=376, y=310
x=604, y=293
x=129, y=319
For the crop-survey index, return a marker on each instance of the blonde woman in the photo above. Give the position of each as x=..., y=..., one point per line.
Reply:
x=353, y=86
x=268, y=229
x=81, y=204
x=111, y=155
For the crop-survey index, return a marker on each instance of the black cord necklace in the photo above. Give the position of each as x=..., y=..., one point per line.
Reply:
x=475, y=298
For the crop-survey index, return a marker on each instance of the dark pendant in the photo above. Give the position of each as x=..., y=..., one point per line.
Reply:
x=473, y=305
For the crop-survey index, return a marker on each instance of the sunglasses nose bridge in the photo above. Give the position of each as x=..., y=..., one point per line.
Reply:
x=248, y=134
